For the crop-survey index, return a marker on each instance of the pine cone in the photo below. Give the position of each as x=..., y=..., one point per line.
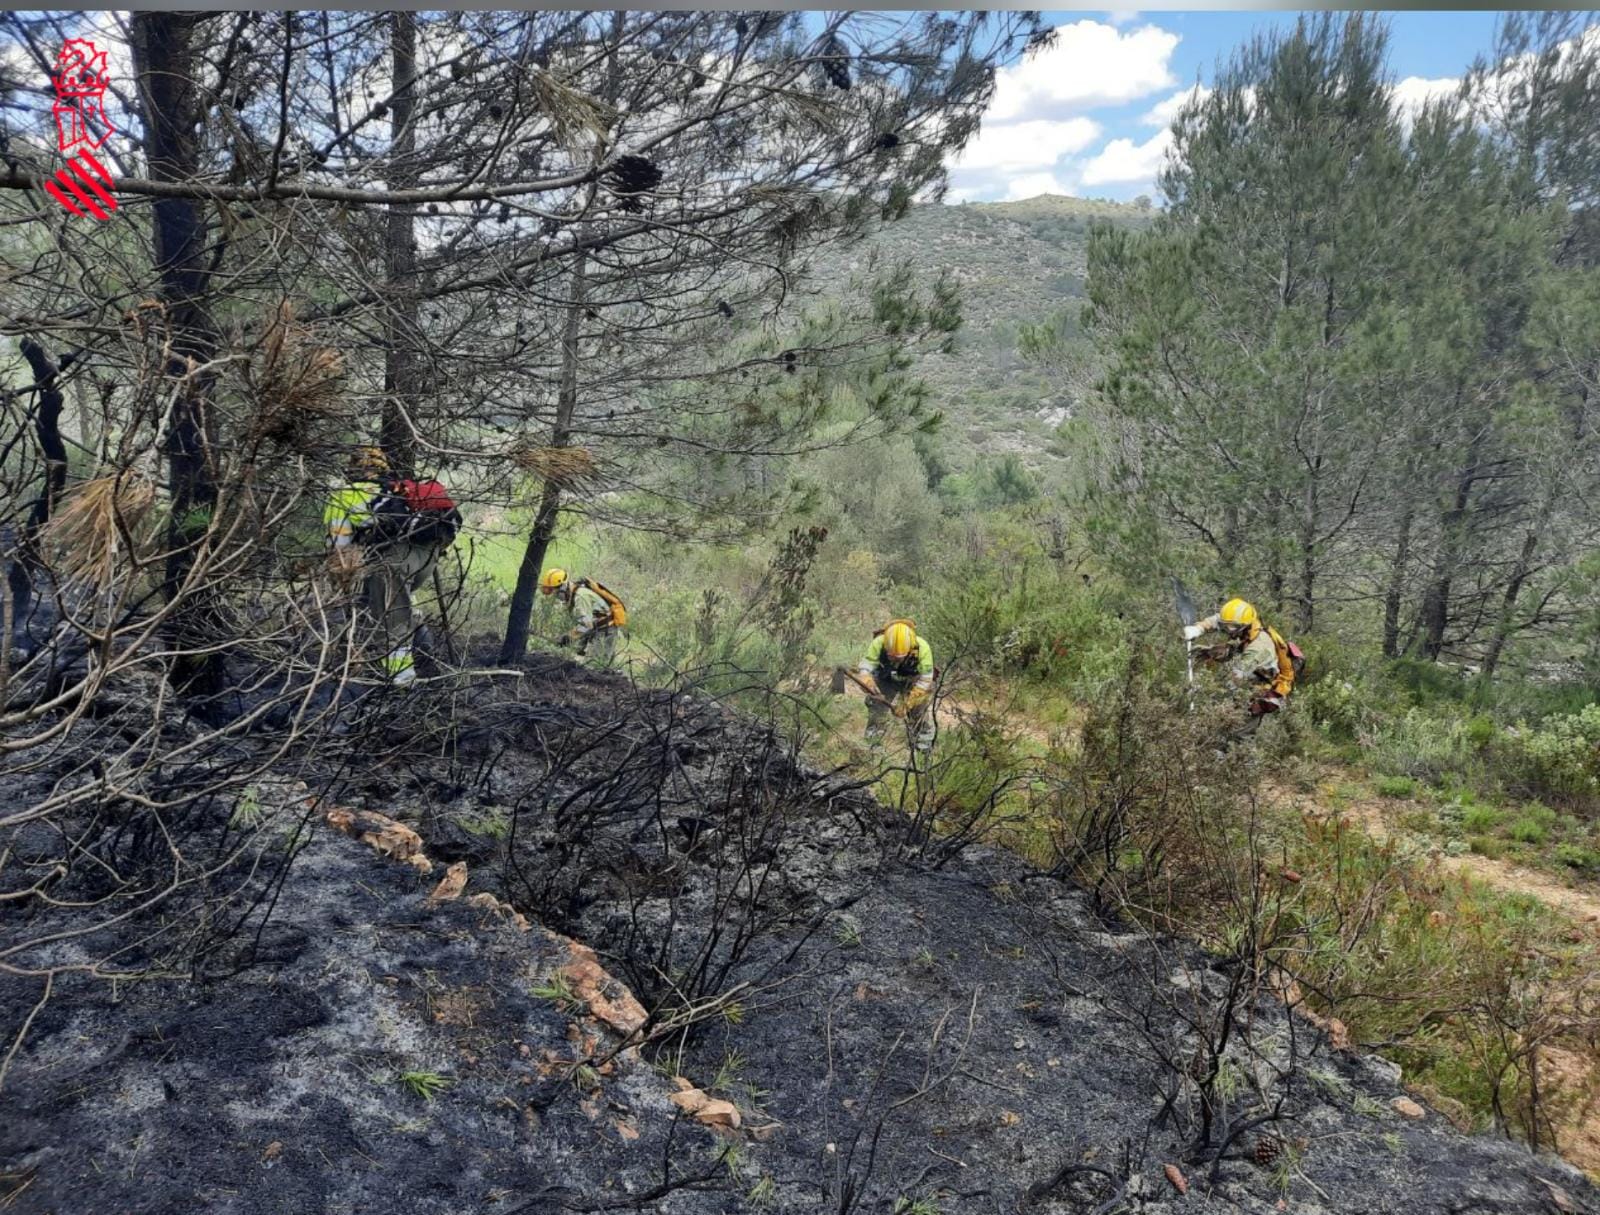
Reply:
x=836, y=66
x=1267, y=1150
x=632, y=176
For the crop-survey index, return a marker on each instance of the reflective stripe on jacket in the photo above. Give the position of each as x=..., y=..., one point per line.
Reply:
x=350, y=507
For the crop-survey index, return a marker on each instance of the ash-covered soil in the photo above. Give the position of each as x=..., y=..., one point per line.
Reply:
x=897, y=1035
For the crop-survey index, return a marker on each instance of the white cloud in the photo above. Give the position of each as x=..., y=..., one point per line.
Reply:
x=1414, y=92
x=1163, y=113
x=1122, y=161
x=1031, y=185
x=1036, y=144
x=1122, y=16
x=1089, y=64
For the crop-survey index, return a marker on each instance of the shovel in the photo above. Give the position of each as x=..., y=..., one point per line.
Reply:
x=1188, y=615
x=842, y=674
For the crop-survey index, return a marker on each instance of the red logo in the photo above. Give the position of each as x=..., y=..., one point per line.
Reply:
x=81, y=81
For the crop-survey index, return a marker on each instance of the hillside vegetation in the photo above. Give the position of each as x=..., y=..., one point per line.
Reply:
x=1015, y=265
x=342, y=861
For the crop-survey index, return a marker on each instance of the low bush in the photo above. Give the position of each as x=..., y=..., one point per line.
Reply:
x=1558, y=760
x=1479, y=820
x=1527, y=831
x=1396, y=786
x=1426, y=747
x=1487, y=845
x=1577, y=856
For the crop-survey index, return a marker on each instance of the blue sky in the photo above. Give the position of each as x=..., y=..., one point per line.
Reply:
x=1089, y=116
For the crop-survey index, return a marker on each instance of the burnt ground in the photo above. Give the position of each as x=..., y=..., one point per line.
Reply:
x=899, y=1035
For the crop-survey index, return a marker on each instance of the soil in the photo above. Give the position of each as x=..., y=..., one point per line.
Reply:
x=971, y=1035
x=1376, y=816
x=1578, y=1127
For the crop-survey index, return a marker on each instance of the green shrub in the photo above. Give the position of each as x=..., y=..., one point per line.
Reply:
x=1577, y=856
x=1039, y=629
x=1427, y=682
x=1527, y=830
x=1480, y=731
x=1559, y=759
x=1338, y=707
x=1396, y=786
x=1424, y=746
x=1486, y=845
x=1479, y=820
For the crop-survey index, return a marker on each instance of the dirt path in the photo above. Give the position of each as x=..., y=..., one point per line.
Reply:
x=1578, y=1129
x=1376, y=815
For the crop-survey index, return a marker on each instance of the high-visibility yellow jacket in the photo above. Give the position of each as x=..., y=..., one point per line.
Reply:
x=1264, y=659
x=350, y=507
x=589, y=611
x=918, y=667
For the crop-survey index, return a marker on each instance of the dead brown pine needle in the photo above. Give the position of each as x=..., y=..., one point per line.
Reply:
x=87, y=532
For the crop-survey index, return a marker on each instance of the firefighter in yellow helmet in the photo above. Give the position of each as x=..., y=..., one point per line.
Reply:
x=1255, y=653
x=897, y=670
x=350, y=507
x=348, y=519
x=597, y=614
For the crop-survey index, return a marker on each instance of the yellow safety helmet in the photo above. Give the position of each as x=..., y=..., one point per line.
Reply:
x=1238, y=613
x=551, y=579
x=368, y=462
x=899, y=639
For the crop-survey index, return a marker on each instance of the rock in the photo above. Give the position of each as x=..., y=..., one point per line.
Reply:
x=706, y=1109
x=1559, y=1197
x=500, y=909
x=1408, y=1108
x=380, y=832
x=451, y=885
x=689, y=1100
x=1385, y=1071
x=1176, y=1177
x=718, y=1113
x=609, y=1001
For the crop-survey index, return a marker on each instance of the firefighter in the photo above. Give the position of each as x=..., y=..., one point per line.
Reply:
x=1254, y=653
x=897, y=671
x=598, y=616
x=388, y=531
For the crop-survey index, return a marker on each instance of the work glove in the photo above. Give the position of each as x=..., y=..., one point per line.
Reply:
x=870, y=686
x=901, y=709
x=1191, y=631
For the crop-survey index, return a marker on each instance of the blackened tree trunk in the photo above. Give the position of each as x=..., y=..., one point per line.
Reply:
x=172, y=109
x=1308, y=546
x=1508, y=603
x=1394, y=592
x=47, y=431
x=401, y=327
x=1452, y=540
x=544, y=519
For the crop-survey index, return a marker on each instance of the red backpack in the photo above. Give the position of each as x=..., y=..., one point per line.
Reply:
x=435, y=519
